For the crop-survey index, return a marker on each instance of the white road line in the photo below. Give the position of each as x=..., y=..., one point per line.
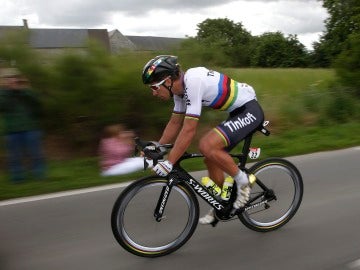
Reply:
x=354, y=264
x=61, y=194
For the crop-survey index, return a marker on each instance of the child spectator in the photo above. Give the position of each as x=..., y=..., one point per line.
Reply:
x=115, y=150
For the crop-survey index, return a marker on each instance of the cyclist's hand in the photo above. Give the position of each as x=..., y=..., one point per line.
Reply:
x=163, y=168
x=153, y=147
x=148, y=163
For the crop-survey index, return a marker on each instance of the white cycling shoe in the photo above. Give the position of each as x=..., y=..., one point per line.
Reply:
x=208, y=218
x=243, y=196
x=243, y=192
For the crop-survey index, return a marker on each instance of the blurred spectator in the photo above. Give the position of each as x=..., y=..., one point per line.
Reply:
x=21, y=109
x=115, y=151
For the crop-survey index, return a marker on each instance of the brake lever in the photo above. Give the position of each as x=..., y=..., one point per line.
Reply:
x=149, y=152
x=154, y=155
x=140, y=143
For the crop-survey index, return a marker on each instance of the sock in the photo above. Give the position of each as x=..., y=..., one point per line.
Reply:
x=241, y=178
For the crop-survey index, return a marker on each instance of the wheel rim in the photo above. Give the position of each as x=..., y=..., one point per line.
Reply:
x=285, y=184
x=142, y=232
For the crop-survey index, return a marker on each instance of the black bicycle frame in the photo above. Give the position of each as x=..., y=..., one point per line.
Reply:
x=178, y=174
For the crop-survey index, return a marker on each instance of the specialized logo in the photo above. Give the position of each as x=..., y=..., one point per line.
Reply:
x=256, y=205
x=205, y=195
x=234, y=125
x=165, y=197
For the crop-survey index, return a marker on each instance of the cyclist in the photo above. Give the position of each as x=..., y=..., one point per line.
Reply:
x=191, y=90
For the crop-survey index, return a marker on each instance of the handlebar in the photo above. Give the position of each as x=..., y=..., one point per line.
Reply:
x=152, y=150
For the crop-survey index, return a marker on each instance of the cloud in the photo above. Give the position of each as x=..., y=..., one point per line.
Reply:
x=172, y=18
x=94, y=12
x=309, y=20
x=71, y=12
x=290, y=17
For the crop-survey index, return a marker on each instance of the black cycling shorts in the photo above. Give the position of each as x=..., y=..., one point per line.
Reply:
x=240, y=123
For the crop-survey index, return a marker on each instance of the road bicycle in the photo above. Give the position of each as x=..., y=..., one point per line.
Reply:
x=155, y=216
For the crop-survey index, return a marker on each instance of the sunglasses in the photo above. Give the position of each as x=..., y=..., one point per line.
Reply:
x=156, y=86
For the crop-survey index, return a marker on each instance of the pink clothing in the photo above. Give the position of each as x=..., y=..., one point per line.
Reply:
x=112, y=151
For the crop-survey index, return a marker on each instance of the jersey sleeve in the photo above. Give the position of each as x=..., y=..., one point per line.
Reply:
x=193, y=98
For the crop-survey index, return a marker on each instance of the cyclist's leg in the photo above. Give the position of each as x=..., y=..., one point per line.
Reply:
x=217, y=161
x=212, y=147
x=215, y=173
x=215, y=144
x=224, y=161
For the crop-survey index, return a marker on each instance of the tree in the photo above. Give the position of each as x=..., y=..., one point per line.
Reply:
x=343, y=21
x=340, y=43
x=273, y=49
x=227, y=37
x=348, y=64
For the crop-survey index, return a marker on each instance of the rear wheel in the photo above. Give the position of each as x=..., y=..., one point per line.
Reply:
x=135, y=227
x=272, y=209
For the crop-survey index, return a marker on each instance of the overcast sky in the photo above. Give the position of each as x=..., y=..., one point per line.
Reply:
x=169, y=18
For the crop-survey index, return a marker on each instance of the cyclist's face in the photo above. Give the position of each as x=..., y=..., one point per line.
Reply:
x=156, y=86
x=159, y=90
x=161, y=93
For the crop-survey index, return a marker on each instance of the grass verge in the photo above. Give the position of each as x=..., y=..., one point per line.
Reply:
x=82, y=173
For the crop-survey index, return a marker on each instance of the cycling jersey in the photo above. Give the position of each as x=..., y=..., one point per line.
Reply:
x=204, y=87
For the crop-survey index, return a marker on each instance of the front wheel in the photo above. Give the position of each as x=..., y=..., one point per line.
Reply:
x=273, y=206
x=137, y=230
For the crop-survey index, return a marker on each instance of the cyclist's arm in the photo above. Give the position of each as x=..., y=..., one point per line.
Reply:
x=172, y=128
x=183, y=140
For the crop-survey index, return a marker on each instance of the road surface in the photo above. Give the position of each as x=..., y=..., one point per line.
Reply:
x=72, y=230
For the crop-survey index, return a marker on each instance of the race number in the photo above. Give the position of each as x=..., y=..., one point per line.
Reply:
x=254, y=153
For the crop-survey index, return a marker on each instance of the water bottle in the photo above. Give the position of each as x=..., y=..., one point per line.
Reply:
x=211, y=186
x=227, y=188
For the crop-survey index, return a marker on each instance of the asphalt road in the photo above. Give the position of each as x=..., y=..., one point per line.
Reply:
x=72, y=230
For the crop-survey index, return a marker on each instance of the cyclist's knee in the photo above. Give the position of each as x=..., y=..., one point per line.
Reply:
x=207, y=146
x=204, y=146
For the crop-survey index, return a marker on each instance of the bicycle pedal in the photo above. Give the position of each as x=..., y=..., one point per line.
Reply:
x=214, y=223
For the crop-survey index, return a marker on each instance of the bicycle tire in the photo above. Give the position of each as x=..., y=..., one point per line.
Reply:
x=285, y=180
x=134, y=225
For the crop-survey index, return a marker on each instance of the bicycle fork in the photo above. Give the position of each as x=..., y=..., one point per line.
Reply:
x=166, y=190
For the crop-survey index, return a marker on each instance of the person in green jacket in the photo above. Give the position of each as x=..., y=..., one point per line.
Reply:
x=21, y=110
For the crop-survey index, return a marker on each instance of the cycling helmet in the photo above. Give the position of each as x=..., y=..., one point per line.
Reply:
x=160, y=67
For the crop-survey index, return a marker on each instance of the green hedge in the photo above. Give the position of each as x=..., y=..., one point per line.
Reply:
x=82, y=92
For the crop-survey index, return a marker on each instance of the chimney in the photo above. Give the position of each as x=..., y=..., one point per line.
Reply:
x=25, y=23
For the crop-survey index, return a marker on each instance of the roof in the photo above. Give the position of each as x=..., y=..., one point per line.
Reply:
x=58, y=38
x=66, y=38
x=43, y=38
x=113, y=32
x=52, y=38
x=151, y=43
x=119, y=42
